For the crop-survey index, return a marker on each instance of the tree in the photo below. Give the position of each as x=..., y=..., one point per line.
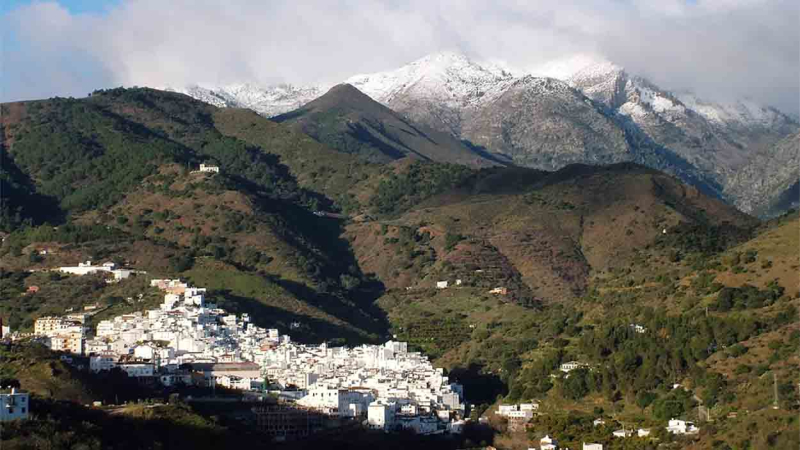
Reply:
x=644, y=399
x=575, y=386
x=349, y=282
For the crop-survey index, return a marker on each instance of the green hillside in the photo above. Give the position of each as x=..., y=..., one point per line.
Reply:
x=130, y=193
x=574, y=257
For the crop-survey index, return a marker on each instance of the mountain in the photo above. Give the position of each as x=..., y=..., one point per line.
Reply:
x=347, y=120
x=718, y=139
x=770, y=183
x=543, y=267
x=267, y=101
x=437, y=89
x=599, y=113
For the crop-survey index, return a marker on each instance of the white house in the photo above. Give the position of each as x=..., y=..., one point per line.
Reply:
x=137, y=369
x=102, y=361
x=599, y=421
x=441, y=285
x=548, y=443
x=14, y=406
x=207, y=168
x=332, y=400
x=380, y=416
x=623, y=433
x=592, y=446
x=682, y=427
x=643, y=432
x=638, y=328
x=567, y=367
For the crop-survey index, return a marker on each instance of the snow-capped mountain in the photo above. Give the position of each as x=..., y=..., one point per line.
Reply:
x=597, y=113
x=717, y=138
x=268, y=101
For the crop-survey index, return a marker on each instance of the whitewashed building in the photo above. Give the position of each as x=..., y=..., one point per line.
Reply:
x=676, y=426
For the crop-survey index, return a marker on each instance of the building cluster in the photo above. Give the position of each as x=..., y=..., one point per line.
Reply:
x=66, y=334
x=390, y=386
x=189, y=341
x=518, y=415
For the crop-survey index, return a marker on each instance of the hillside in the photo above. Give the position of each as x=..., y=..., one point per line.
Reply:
x=549, y=234
x=127, y=194
x=349, y=121
x=579, y=254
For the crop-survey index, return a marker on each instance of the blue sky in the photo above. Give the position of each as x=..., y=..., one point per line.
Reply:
x=73, y=6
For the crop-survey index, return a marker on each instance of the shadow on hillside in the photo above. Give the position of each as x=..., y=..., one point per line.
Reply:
x=60, y=423
x=479, y=387
x=22, y=200
x=310, y=329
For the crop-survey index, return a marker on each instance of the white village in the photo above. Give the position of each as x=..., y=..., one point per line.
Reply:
x=189, y=341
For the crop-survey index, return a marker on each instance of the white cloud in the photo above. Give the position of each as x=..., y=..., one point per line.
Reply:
x=719, y=48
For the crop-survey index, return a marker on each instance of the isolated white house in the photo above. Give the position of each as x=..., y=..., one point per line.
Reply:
x=548, y=443
x=676, y=426
x=441, y=285
x=207, y=169
x=567, y=367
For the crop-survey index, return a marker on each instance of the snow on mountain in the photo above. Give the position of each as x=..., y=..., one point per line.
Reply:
x=268, y=101
x=565, y=68
x=456, y=81
x=741, y=112
x=449, y=77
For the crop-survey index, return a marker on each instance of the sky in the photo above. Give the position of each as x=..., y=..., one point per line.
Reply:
x=719, y=49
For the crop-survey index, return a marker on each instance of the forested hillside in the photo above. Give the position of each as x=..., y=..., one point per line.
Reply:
x=645, y=280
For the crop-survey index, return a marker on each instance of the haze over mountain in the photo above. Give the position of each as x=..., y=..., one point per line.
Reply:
x=598, y=114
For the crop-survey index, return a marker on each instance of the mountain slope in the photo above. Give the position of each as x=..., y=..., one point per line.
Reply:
x=718, y=139
x=542, y=239
x=115, y=167
x=768, y=183
x=349, y=121
x=511, y=115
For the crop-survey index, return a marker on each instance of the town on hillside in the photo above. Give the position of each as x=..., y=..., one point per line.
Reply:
x=299, y=389
x=188, y=341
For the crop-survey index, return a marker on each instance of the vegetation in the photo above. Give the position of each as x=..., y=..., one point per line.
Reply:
x=419, y=181
x=580, y=255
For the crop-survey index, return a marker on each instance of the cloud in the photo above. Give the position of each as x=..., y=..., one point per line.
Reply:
x=721, y=49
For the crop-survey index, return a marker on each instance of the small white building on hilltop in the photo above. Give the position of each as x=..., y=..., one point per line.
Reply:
x=592, y=446
x=86, y=268
x=14, y=406
x=209, y=169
